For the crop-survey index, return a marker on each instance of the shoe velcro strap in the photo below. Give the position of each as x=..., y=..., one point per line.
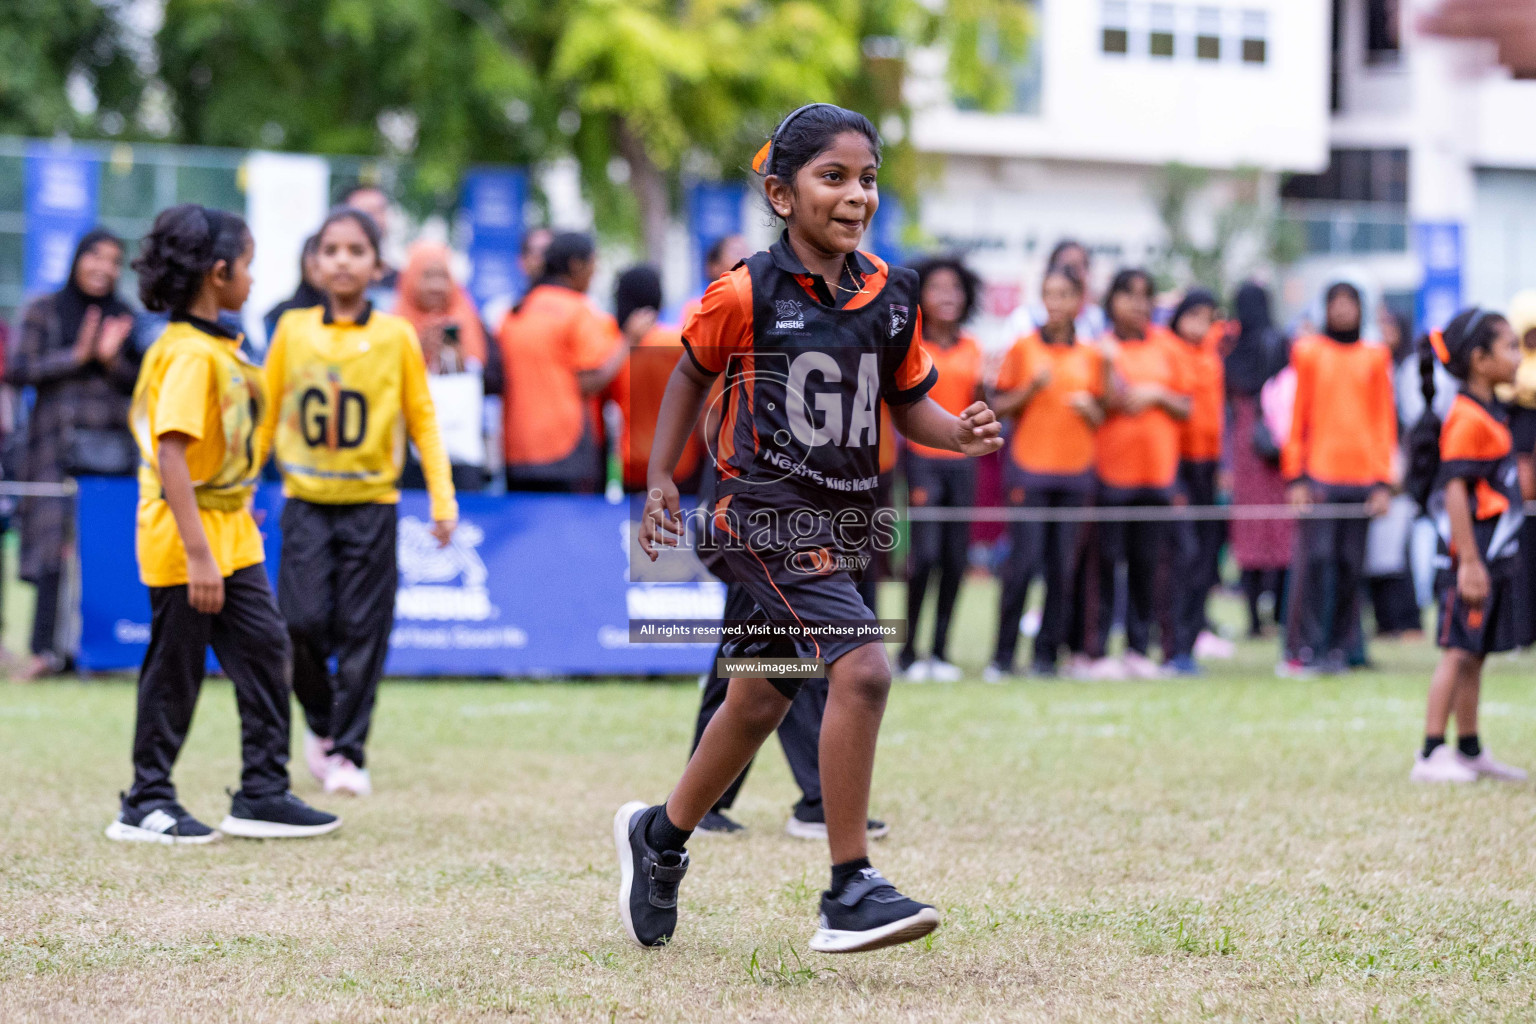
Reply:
x=665, y=873
x=861, y=887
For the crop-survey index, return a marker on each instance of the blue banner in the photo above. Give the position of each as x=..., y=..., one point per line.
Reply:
x=885, y=230
x=1442, y=251
x=714, y=211
x=61, y=194
x=531, y=585
x=493, y=200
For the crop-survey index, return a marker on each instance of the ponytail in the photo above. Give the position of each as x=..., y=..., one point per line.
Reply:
x=1424, y=438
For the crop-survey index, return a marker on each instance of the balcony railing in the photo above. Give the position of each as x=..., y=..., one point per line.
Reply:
x=1349, y=229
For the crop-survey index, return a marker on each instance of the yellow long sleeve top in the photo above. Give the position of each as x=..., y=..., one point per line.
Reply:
x=343, y=396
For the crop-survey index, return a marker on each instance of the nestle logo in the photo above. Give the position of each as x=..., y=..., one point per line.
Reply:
x=791, y=315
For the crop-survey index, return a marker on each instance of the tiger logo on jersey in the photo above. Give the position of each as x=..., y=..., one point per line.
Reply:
x=899, y=317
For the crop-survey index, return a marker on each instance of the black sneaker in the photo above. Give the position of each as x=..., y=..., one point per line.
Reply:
x=167, y=823
x=283, y=816
x=870, y=914
x=811, y=823
x=716, y=823
x=648, y=880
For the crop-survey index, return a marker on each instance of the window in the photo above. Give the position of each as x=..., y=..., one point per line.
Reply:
x=1208, y=34
x=1383, y=27
x=1117, y=19
x=1355, y=176
x=1255, y=37
x=1160, y=41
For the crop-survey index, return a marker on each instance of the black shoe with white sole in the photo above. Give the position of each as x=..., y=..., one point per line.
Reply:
x=810, y=822
x=648, y=880
x=717, y=823
x=167, y=823
x=283, y=816
x=870, y=914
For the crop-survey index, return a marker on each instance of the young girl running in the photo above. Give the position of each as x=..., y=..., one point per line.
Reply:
x=936, y=477
x=812, y=335
x=195, y=412
x=1478, y=509
x=1055, y=387
x=348, y=384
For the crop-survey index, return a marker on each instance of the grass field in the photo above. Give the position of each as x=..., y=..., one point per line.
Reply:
x=1234, y=848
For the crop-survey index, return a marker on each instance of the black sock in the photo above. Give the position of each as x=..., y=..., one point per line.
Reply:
x=1469, y=745
x=1431, y=742
x=844, y=873
x=662, y=835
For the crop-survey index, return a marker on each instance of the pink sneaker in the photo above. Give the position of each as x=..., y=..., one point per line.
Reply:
x=1487, y=768
x=1079, y=666
x=1209, y=646
x=317, y=753
x=1443, y=765
x=347, y=778
x=1107, y=670
x=1139, y=666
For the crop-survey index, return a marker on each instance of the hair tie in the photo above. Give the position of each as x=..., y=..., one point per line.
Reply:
x=761, y=159
x=1437, y=342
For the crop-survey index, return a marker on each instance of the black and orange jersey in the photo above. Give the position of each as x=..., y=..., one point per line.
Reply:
x=1200, y=434
x=1344, y=423
x=1051, y=438
x=1141, y=450
x=959, y=369
x=638, y=388
x=1475, y=446
x=805, y=378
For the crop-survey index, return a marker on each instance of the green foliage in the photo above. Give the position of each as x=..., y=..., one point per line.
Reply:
x=1244, y=232
x=45, y=42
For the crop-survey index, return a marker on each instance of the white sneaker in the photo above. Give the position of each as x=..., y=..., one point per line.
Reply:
x=1139, y=666
x=1029, y=623
x=917, y=672
x=1209, y=646
x=317, y=755
x=347, y=778
x=941, y=671
x=1442, y=765
x=993, y=674
x=1487, y=768
x=1080, y=667
x=1106, y=670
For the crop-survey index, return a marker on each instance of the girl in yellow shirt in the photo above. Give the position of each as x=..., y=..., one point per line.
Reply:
x=348, y=385
x=194, y=416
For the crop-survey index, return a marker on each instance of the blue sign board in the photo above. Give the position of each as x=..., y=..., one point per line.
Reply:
x=885, y=230
x=714, y=211
x=1442, y=250
x=61, y=194
x=493, y=201
x=531, y=585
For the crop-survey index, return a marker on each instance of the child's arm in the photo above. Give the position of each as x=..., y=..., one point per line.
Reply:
x=421, y=422
x=1471, y=573
x=661, y=523
x=205, y=583
x=974, y=432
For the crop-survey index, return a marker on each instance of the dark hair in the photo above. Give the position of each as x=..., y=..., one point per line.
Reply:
x=369, y=226
x=88, y=241
x=526, y=245
x=1195, y=298
x=805, y=134
x=1067, y=274
x=564, y=249
x=969, y=282
x=1471, y=330
x=181, y=250
x=717, y=248
x=1061, y=248
x=639, y=287
x=1122, y=283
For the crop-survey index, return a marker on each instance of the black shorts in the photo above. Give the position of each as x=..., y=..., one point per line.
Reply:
x=798, y=565
x=1489, y=631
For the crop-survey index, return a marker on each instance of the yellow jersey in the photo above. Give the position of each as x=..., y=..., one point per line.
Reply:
x=194, y=381
x=345, y=395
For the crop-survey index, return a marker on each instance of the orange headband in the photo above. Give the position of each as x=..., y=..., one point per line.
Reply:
x=1437, y=342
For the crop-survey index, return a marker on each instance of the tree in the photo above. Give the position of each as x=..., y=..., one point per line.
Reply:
x=1244, y=231
x=639, y=91
x=50, y=49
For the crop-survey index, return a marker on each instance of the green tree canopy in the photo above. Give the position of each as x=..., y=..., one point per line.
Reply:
x=46, y=43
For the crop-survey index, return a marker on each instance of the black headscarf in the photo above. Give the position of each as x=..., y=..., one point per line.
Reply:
x=305, y=296
x=1193, y=299
x=1343, y=288
x=71, y=303
x=638, y=287
x=1258, y=352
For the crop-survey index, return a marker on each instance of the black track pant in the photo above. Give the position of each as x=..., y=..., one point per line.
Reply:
x=252, y=647
x=1039, y=549
x=336, y=587
x=1142, y=546
x=1324, y=612
x=799, y=733
x=937, y=483
x=1197, y=553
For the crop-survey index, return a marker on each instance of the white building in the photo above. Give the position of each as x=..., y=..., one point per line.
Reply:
x=1383, y=148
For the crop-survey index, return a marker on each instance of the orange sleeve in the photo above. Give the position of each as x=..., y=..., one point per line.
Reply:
x=1465, y=438
x=1100, y=374
x=916, y=375
x=1183, y=379
x=722, y=324
x=1293, y=456
x=1017, y=368
x=594, y=336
